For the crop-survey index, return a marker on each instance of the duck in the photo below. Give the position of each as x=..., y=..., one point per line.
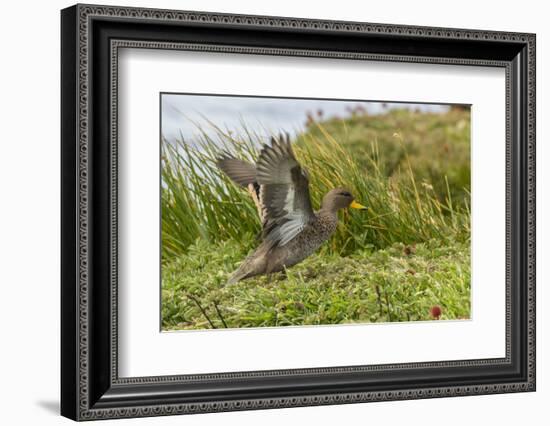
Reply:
x=291, y=230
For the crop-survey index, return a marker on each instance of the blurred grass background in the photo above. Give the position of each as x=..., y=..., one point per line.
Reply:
x=408, y=253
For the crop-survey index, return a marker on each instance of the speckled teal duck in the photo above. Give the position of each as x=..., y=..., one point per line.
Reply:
x=291, y=230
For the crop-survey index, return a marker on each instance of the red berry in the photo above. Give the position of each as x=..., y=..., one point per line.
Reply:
x=435, y=311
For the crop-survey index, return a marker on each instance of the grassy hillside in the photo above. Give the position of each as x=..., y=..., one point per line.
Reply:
x=407, y=253
x=436, y=145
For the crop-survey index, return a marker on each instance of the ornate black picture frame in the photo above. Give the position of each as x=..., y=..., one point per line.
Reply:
x=91, y=37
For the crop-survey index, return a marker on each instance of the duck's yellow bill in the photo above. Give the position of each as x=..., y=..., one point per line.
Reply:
x=355, y=205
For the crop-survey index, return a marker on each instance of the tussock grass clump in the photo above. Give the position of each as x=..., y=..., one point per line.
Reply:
x=197, y=201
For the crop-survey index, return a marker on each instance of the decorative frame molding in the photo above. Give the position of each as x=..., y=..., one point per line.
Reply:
x=91, y=37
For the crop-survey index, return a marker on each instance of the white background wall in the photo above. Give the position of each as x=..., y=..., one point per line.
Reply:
x=29, y=212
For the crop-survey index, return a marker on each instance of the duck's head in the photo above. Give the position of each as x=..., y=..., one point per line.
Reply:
x=340, y=198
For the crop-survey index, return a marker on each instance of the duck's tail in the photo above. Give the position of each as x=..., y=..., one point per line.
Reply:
x=253, y=265
x=235, y=277
x=240, y=274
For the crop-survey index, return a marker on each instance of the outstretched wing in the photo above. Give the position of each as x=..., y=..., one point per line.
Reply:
x=284, y=193
x=243, y=174
x=240, y=172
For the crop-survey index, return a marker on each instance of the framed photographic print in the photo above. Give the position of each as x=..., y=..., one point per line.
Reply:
x=263, y=212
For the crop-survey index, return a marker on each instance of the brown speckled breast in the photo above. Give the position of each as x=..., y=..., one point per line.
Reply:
x=308, y=241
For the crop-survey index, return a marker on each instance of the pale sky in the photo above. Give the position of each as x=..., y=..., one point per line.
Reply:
x=264, y=116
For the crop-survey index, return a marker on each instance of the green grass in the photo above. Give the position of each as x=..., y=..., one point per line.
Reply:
x=399, y=283
x=411, y=169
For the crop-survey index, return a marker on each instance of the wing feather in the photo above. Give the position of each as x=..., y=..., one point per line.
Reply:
x=240, y=172
x=284, y=192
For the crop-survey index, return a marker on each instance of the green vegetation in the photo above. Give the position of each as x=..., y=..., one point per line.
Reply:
x=407, y=253
x=399, y=283
x=436, y=145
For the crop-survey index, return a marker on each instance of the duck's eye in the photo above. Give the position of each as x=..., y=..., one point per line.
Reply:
x=345, y=194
